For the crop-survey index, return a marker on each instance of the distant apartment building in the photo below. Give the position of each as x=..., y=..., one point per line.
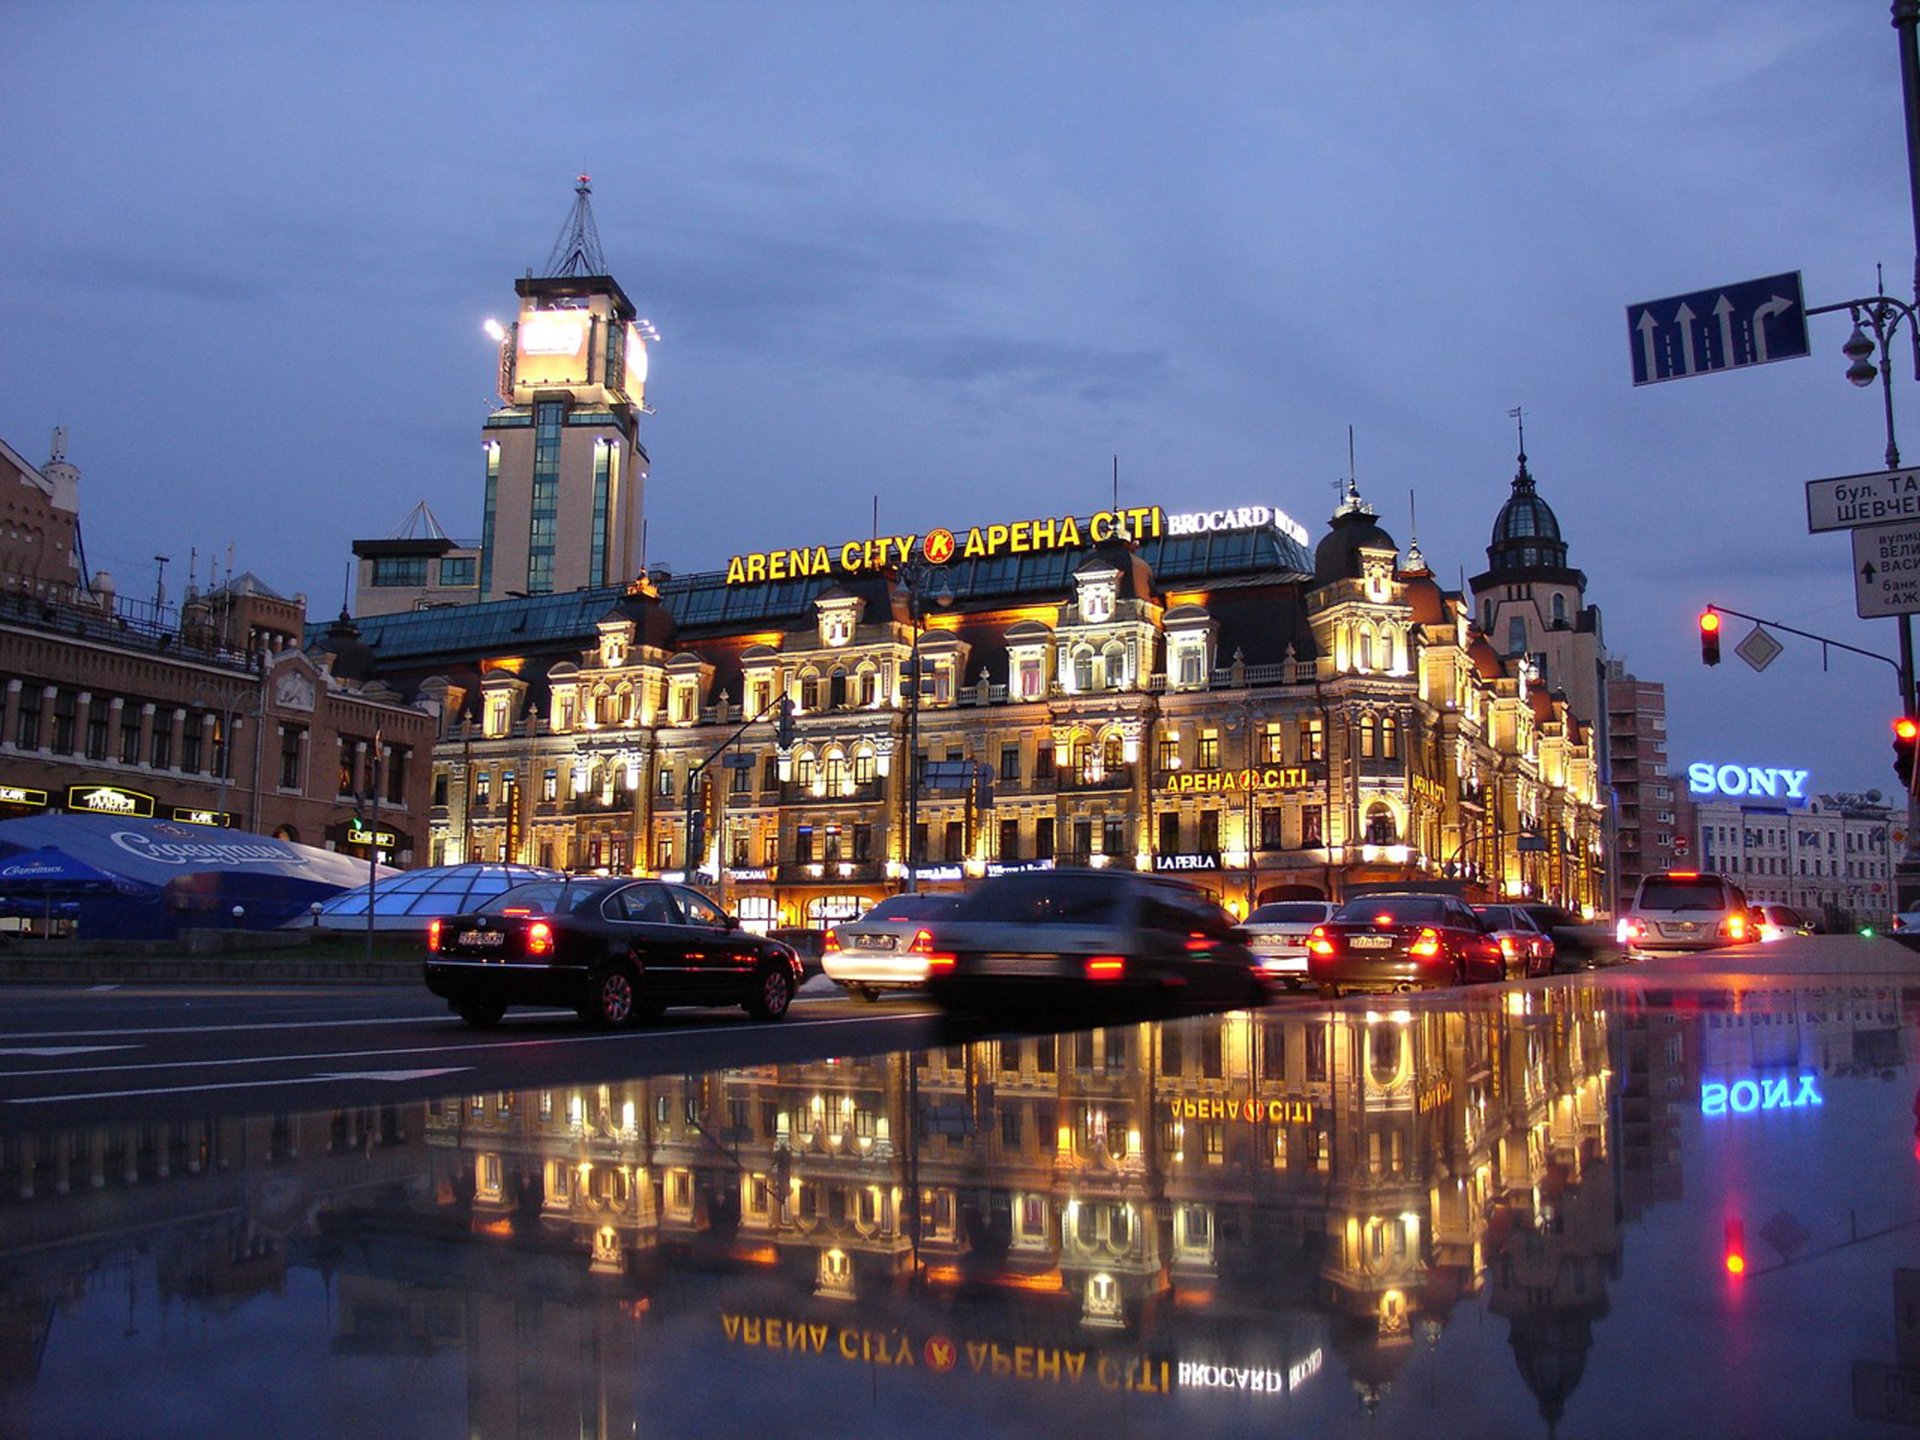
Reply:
x=1644, y=797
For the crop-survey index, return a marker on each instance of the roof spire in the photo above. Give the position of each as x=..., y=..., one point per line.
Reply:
x=577, y=251
x=1521, y=479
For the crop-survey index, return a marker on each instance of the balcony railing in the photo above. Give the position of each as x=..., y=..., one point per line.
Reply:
x=817, y=872
x=859, y=793
x=1119, y=778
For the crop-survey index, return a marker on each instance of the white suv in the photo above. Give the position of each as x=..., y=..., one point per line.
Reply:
x=1680, y=912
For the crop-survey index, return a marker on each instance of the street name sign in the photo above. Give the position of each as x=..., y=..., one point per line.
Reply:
x=1848, y=501
x=1886, y=569
x=1728, y=328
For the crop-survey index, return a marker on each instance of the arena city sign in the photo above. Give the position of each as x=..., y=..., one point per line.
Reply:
x=940, y=546
x=1235, y=782
x=1706, y=778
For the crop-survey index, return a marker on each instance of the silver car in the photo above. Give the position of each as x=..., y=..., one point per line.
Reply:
x=1681, y=912
x=1277, y=935
x=876, y=952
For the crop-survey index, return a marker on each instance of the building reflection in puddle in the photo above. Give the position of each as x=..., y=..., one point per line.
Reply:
x=1261, y=1203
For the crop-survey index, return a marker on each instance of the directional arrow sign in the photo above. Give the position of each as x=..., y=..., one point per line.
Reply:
x=1886, y=569
x=1728, y=328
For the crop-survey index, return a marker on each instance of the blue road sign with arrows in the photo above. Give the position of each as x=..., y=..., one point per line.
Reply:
x=1723, y=329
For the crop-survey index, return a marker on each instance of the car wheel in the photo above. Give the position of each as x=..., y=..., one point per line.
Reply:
x=1329, y=992
x=772, y=994
x=611, y=997
x=481, y=1014
x=863, y=992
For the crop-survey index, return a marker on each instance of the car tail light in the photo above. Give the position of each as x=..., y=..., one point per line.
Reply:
x=1197, y=941
x=1427, y=945
x=1106, y=967
x=941, y=961
x=1736, y=927
x=540, y=938
x=831, y=945
x=922, y=943
x=1629, y=928
x=516, y=910
x=1319, y=942
x=1507, y=947
x=433, y=935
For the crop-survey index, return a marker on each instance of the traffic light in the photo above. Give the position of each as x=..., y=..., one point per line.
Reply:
x=1709, y=636
x=696, y=839
x=783, y=724
x=1906, y=732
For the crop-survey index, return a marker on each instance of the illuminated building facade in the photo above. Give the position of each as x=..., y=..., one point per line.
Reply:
x=1119, y=689
x=1829, y=856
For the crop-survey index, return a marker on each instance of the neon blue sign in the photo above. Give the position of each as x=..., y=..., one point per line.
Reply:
x=1706, y=778
x=1743, y=1097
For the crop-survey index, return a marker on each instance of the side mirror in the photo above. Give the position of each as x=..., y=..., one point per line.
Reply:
x=730, y=922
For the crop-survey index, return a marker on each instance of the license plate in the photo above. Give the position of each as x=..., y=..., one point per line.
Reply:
x=1019, y=965
x=483, y=939
x=873, y=942
x=1370, y=942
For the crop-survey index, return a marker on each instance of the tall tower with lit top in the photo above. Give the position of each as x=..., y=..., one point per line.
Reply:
x=565, y=470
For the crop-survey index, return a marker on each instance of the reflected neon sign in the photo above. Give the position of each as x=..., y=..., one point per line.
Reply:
x=1768, y=1092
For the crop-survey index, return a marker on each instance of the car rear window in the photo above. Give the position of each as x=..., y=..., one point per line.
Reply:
x=1498, y=916
x=1282, y=912
x=1657, y=894
x=1044, y=899
x=911, y=907
x=1400, y=909
x=544, y=897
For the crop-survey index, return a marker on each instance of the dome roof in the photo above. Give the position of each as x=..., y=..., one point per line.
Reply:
x=1337, y=557
x=410, y=901
x=1526, y=533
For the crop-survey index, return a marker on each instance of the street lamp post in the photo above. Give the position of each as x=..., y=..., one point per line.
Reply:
x=915, y=575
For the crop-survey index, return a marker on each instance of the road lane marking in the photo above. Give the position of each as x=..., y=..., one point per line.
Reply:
x=51, y=1052
x=394, y=1075
x=543, y=1042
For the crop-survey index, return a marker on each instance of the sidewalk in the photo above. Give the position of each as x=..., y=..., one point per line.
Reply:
x=274, y=958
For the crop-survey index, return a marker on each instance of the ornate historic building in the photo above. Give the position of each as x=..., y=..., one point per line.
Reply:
x=1119, y=689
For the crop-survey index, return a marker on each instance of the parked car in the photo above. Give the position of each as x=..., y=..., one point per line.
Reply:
x=1077, y=937
x=616, y=950
x=1277, y=935
x=1396, y=941
x=808, y=943
x=1527, y=949
x=1777, y=922
x=1682, y=912
x=876, y=952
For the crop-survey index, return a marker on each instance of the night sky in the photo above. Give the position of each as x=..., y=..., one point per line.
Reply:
x=960, y=257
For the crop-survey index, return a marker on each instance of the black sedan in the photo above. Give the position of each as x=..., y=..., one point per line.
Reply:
x=1401, y=942
x=1078, y=937
x=616, y=950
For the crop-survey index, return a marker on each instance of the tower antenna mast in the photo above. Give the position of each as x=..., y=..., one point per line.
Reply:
x=577, y=251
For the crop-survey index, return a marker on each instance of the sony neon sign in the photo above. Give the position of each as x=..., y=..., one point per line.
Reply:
x=1706, y=778
x=1769, y=1092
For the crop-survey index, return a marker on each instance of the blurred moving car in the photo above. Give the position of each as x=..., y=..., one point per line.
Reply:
x=616, y=950
x=1905, y=922
x=1527, y=949
x=1776, y=922
x=1396, y=941
x=876, y=953
x=1277, y=935
x=1083, y=936
x=1577, y=944
x=806, y=942
x=1681, y=912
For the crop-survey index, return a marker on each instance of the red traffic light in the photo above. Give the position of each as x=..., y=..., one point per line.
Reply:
x=1906, y=728
x=1906, y=735
x=1709, y=637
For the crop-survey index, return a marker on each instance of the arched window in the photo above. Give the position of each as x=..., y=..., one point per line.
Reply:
x=1113, y=661
x=1082, y=670
x=1559, y=611
x=1380, y=827
x=803, y=770
x=837, y=690
x=869, y=685
x=839, y=779
x=1113, y=755
x=1363, y=649
x=1389, y=738
x=1369, y=738
x=810, y=692
x=1516, y=635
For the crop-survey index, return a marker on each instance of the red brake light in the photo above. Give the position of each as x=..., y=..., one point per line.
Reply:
x=433, y=935
x=1105, y=967
x=1197, y=941
x=831, y=945
x=1507, y=947
x=1319, y=942
x=922, y=943
x=1383, y=920
x=1683, y=874
x=1427, y=946
x=540, y=938
x=1735, y=926
x=940, y=960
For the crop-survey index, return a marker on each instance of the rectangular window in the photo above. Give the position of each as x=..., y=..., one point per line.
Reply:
x=458, y=570
x=399, y=570
x=190, y=746
x=28, y=733
x=63, y=707
x=161, y=755
x=1009, y=840
x=1113, y=838
x=1082, y=837
x=1312, y=825
x=396, y=776
x=97, y=732
x=1270, y=832
x=1272, y=750
x=1009, y=762
x=1043, y=838
x=1209, y=750
x=956, y=847
x=130, y=736
x=1043, y=763
x=1209, y=830
x=290, y=736
x=1169, y=832
x=803, y=845
x=1313, y=740
x=1168, y=757
x=862, y=843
